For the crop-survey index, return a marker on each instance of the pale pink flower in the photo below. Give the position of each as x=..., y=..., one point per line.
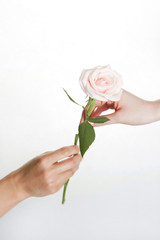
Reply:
x=101, y=83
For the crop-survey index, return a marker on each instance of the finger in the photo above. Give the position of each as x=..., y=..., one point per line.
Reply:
x=63, y=177
x=60, y=154
x=99, y=110
x=103, y=107
x=112, y=119
x=99, y=103
x=65, y=165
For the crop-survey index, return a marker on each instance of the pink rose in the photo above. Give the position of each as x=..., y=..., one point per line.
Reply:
x=101, y=83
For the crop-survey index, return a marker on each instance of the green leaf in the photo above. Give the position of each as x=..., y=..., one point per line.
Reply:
x=86, y=136
x=72, y=98
x=98, y=119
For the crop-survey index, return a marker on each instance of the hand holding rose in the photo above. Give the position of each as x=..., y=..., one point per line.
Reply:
x=104, y=85
x=130, y=110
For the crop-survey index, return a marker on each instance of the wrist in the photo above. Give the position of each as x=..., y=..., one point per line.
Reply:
x=156, y=110
x=16, y=181
x=11, y=192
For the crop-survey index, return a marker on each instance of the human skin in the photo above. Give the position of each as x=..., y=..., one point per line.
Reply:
x=130, y=110
x=41, y=176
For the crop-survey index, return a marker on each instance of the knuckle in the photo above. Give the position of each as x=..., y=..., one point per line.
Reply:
x=77, y=160
x=45, y=153
x=76, y=148
x=54, y=189
x=42, y=161
x=65, y=151
x=45, y=177
x=71, y=172
x=77, y=167
x=51, y=188
x=74, y=162
x=68, y=151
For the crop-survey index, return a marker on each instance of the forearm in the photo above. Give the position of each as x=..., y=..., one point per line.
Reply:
x=10, y=192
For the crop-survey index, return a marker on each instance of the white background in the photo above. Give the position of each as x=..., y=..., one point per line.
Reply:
x=44, y=45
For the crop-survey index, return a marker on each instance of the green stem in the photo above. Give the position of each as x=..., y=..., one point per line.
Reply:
x=64, y=192
x=88, y=113
x=91, y=106
x=76, y=139
x=66, y=184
